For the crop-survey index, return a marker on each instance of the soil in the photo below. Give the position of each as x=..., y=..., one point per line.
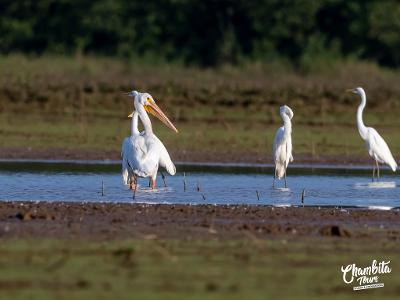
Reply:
x=101, y=221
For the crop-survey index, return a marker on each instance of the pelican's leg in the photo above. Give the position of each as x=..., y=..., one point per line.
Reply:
x=153, y=181
x=135, y=189
x=132, y=183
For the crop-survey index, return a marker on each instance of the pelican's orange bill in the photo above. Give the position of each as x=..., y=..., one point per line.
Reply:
x=152, y=108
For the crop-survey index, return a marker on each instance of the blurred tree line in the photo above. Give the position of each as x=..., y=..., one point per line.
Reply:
x=205, y=32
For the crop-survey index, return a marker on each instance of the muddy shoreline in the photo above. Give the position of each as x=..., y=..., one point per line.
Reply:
x=182, y=156
x=101, y=221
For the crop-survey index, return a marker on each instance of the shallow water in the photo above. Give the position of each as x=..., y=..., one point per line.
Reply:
x=211, y=184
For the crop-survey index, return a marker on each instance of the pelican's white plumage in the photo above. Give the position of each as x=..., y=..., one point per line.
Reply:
x=282, y=146
x=142, y=153
x=376, y=145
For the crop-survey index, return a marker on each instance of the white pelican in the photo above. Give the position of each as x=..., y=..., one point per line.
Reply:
x=376, y=146
x=282, y=147
x=142, y=153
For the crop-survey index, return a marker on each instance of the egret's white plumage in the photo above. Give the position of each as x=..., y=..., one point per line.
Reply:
x=143, y=152
x=282, y=146
x=376, y=145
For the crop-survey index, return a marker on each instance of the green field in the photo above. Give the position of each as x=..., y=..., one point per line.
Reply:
x=196, y=269
x=76, y=103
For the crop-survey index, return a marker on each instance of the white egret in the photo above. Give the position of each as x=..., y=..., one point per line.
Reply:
x=142, y=153
x=376, y=146
x=282, y=147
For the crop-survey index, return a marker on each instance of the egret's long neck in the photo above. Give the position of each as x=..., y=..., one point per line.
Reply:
x=287, y=125
x=145, y=120
x=134, y=128
x=360, y=124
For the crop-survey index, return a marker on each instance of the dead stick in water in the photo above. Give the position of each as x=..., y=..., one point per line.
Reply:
x=163, y=178
x=258, y=195
x=204, y=197
x=102, y=188
x=198, y=186
x=302, y=196
x=184, y=181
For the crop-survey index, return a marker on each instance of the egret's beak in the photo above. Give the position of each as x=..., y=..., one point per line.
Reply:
x=152, y=108
x=131, y=115
x=129, y=94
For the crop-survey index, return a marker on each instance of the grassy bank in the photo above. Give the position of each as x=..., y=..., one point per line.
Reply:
x=171, y=269
x=76, y=103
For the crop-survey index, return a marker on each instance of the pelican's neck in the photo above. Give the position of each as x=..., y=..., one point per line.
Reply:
x=148, y=129
x=134, y=128
x=287, y=125
x=360, y=124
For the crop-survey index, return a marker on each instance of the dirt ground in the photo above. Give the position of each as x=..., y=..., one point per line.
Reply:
x=101, y=221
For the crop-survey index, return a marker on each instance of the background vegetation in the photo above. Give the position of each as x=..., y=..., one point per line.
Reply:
x=57, y=102
x=220, y=69
x=206, y=32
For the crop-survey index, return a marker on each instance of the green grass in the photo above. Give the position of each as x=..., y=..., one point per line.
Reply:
x=170, y=269
x=100, y=133
x=76, y=103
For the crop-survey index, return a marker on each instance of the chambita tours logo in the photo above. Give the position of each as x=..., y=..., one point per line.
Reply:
x=367, y=277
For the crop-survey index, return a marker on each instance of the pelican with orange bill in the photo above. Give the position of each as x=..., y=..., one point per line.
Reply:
x=143, y=152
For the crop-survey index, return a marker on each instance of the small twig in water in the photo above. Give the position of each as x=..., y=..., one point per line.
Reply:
x=102, y=188
x=204, y=197
x=258, y=195
x=184, y=181
x=302, y=196
x=198, y=186
x=163, y=178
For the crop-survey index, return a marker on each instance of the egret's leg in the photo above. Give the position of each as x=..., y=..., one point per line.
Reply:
x=273, y=182
x=377, y=166
x=149, y=182
x=373, y=172
x=285, y=179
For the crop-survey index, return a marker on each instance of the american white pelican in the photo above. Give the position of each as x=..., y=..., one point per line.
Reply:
x=282, y=147
x=142, y=153
x=376, y=146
